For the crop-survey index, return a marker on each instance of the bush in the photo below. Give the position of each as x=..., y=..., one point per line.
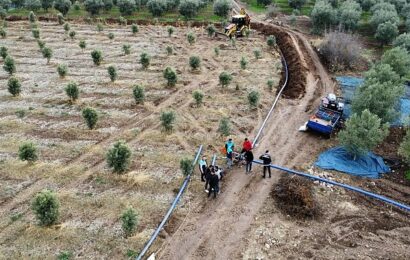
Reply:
x=257, y=54
x=349, y=14
x=225, y=78
x=3, y=33
x=270, y=84
x=93, y=7
x=194, y=62
x=405, y=11
x=112, y=72
x=224, y=127
x=28, y=152
x=382, y=73
x=253, y=98
x=271, y=41
x=63, y=6
x=362, y=133
x=211, y=30
x=243, y=63
x=296, y=4
x=77, y=6
x=186, y=167
x=145, y=60
x=127, y=7
x=72, y=91
x=386, y=32
x=32, y=5
x=3, y=52
x=222, y=7
x=366, y=4
x=403, y=41
x=36, y=33
x=340, y=50
x=399, y=59
x=47, y=53
x=157, y=7
x=119, y=157
x=404, y=149
x=198, y=96
x=72, y=34
x=90, y=116
x=46, y=207
x=9, y=65
x=191, y=38
x=139, y=94
x=129, y=220
x=82, y=44
x=383, y=16
x=66, y=27
x=32, y=17
x=96, y=55
x=188, y=8
x=65, y=255
x=126, y=48
x=62, y=70
x=168, y=120
x=169, y=50
x=323, y=16
x=60, y=19
x=134, y=29
x=5, y=4
x=14, y=86
x=264, y=2
x=170, y=31
x=108, y=5
x=171, y=76
x=111, y=36
x=100, y=27
x=41, y=44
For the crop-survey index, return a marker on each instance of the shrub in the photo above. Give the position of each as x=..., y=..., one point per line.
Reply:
x=14, y=86
x=225, y=78
x=32, y=17
x=382, y=73
x=386, y=32
x=111, y=36
x=168, y=120
x=170, y=31
x=127, y=7
x=171, y=76
x=47, y=53
x=3, y=33
x=340, y=50
x=296, y=4
x=112, y=72
x=366, y=4
x=194, y=62
x=32, y=5
x=216, y=50
x=157, y=7
x=224, y=127
x=62, y=70
x=3, y=52
x=134, y=29
x=145, y=60
x=399, y=59
x=72, y=91
x=323, y=16
x=139, y=94
x=270, y=84
x=100, y=27
x=93, y=6
x=90, y=116
x=82, y=44
x=9, y=65
x=198, y=96
x=382, y=16
x=257, y=54
x=108, y=5
x=77, y=6
x=404, y=149
x=119, y=157
x=129, y=220
x=63, y=6
x=271, y=41
x=403, y=41
x=186, y=167
x=5, y=4
x=349, y=14
x=36, y=33
x=243, y=63
x=222, y=7
x=362, y=133
x=72, y=34
x=191, y=38
x=46, y=207
x=28, y=152
x=60, y=19
x=96, y=55
x=41, y=44
x=126, y=48
x=211, y=30
x=253, y=98
x=188, y=8
x=264, y=2
x=65, y=255
x=66, y=27
x=169, y=50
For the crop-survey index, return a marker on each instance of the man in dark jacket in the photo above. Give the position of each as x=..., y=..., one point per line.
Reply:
x=214, y=184
x=208, y=174
x=248, y=159
x=266, y=163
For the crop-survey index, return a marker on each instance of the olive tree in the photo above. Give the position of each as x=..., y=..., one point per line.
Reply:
x=139, y=94
x=46, y=207
x=222, y=7
x=126, y=7
x=191, y=38
x=171, y=76
x=90, y=116
x=403, y=40
x=46, y=4
x=264, y=2
x=5, y=4
x=362, y=133
x=134, y=29
x=72, y=91
x=14, y=86
x=382, y=16
x=129, y=219
x=167, y=120
x=349, y=14
x=145, y=60
x=188, y=8
x=93, y=7
x=225, y=78
x=9, y=65
x=108, y=4
x=82, y=44
x=3, y=52
x=119, y=157
x=170, y=30
x=194, y=62
x=386, y=32
x=62, y=70
x=224, y=127
x=399, y=59
x=296, y=4
x=157, y=7
x=32, y=5
x=28, y=152
x=198, y=96
x=253, y=98
x=96, y=55
x=112, y=72
x=47, y=53
x=186, y=166
x=63, y=6
x=323, y=16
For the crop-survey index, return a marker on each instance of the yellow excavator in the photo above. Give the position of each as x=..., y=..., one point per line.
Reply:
x=240, y=23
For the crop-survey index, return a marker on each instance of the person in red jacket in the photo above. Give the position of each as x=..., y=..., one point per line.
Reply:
x=247, y=145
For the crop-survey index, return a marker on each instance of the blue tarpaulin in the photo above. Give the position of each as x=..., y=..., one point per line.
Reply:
x=370, y=165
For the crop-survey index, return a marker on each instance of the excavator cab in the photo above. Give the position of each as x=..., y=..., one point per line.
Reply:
x=239, y=24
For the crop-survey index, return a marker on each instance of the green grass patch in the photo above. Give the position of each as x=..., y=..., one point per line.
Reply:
x=254, y=7
x=285, y=8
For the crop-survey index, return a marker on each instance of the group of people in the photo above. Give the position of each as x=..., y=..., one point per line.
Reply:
x=212, y=174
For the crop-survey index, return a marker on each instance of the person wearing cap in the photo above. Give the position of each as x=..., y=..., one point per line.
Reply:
x=266, y=159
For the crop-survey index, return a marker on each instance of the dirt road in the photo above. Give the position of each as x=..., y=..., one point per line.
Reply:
x=219, y=228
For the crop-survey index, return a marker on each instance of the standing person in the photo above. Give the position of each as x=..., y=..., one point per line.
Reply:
x=246, y=146
x=248, y=159
x=214, y=184
x=202, y=167
x=208, y=173
x=229, y=146
x=266, y=163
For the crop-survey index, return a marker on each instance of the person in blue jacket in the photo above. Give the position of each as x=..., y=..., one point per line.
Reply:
x=229, y=146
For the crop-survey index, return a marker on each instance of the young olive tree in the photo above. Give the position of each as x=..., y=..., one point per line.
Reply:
x=194, y=62
x=211, y=30
x=3, y=52
x=9, y=65
x=46, y=207
x=93, y=7
x=63, y=6
x=90, y=116
x=96, y=55
x=191, y=38
x=47, y=53
x=82, y=44
x=253, y=99
x=171, y=76
x=3, y=33
x=36, y=33
x=32, y=17
x=139, y=94
x=28, y=152
x=41, y=44
x=225, y=78
x=60, y=19
x=222, y=7
x=119, y=157
x=66, y=27
x=14, y=86
x=145, y=60
x=170, y=30
x=198, y=97
x=167, y=120
x=186, y=166
x=126, y=48
x=129, y=219
x=224, y=127
x=72, y=91
x=243, y=62
x=62, y=70
x=112, y=72
x=270, y=84
x=169, y=50
x=72, y=34
x=126, y=7
x=134, y=29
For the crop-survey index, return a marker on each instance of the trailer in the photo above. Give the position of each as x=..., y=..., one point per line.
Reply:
x=325, y=121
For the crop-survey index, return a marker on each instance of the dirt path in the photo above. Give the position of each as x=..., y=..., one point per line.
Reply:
x=219, y=229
